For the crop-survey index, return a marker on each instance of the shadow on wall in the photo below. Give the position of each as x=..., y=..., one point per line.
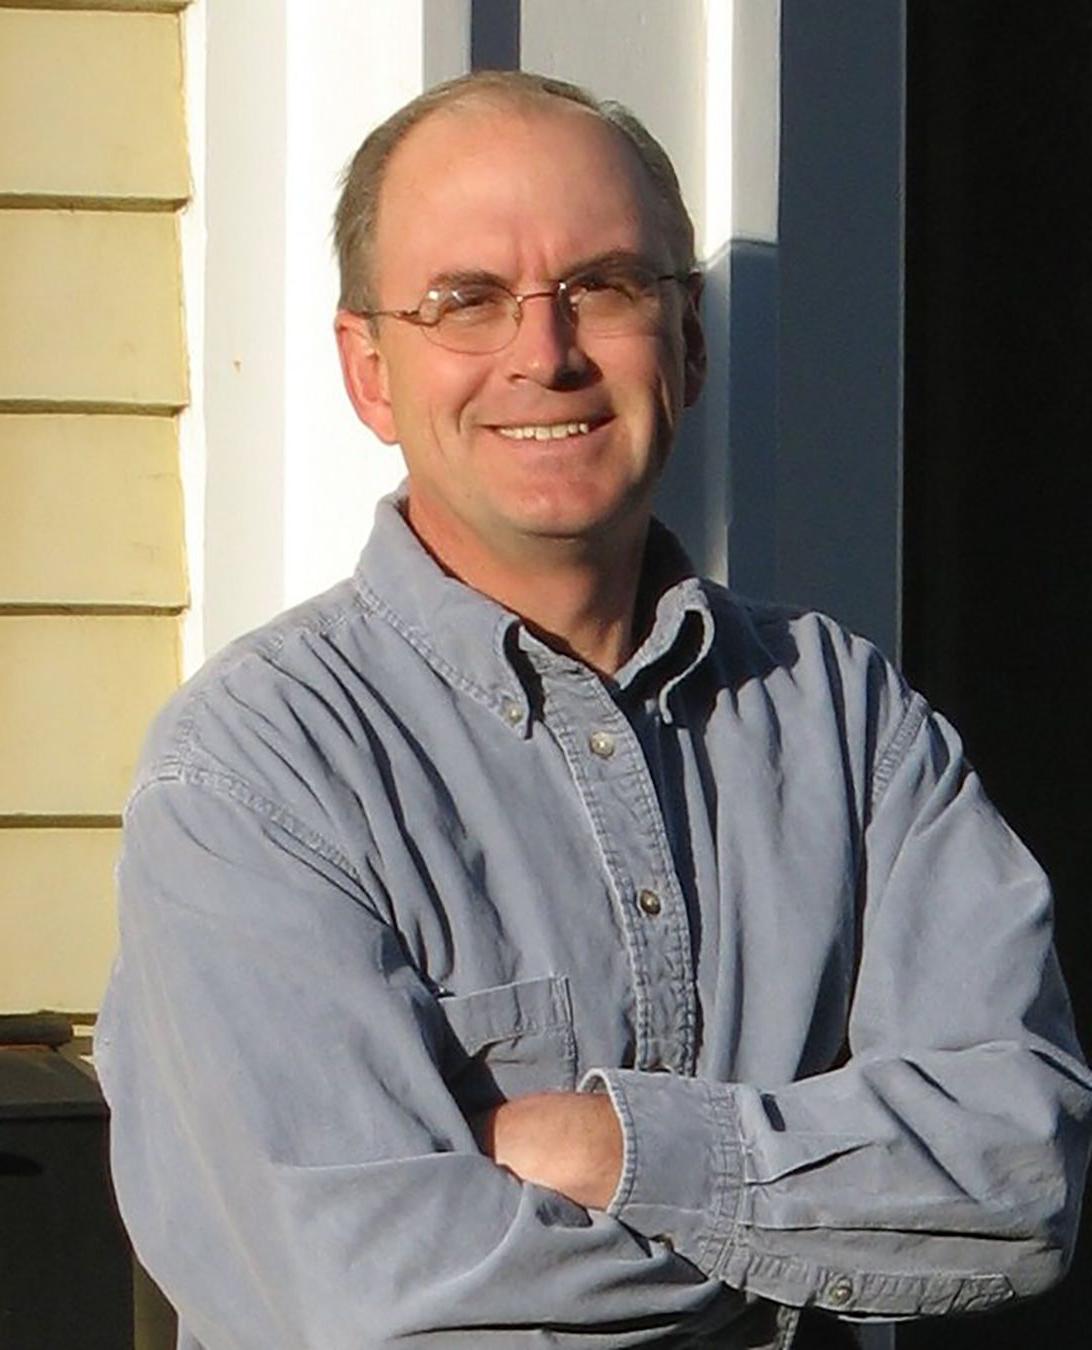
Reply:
x=719, y=489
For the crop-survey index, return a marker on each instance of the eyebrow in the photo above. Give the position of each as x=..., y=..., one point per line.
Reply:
x=476, y=276
x=463, y=276
x=615, y=257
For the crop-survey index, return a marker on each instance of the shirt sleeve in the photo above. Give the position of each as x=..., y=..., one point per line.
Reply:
x=940, y=1167
x=287, y=1156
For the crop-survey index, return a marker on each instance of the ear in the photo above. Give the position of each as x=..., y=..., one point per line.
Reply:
x=364, y=370
x=695, y=356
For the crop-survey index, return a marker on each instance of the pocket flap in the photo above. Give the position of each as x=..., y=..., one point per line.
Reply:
x=507, y=1011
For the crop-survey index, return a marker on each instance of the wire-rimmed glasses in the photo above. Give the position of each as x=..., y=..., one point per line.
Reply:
x=479, y=314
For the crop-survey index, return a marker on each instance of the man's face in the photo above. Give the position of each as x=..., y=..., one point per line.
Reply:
x=528, y=197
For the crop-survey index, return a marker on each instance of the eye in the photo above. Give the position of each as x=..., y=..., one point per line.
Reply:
x=464, y=306
x=618, y=286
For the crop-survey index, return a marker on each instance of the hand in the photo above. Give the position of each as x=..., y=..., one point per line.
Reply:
x=569, y=1141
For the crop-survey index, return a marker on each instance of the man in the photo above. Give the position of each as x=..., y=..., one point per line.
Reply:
x=527, y=942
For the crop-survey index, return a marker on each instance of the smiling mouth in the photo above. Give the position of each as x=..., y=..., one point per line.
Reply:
x=544, y=431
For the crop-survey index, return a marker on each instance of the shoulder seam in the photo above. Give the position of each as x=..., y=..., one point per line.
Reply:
x=890, y=756
x=186, y=739
x=219, y=782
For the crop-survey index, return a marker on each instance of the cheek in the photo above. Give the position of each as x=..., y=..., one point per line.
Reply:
x=638, y=370
x=443, y=398
x=430, y=387
x=672, y=375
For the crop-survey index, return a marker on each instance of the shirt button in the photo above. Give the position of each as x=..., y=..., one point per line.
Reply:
x=840, y=1292
x=513, y=713
x=601, y=743
x=648, y=902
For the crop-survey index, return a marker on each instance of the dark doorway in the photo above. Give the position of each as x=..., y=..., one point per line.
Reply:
x=998, y=462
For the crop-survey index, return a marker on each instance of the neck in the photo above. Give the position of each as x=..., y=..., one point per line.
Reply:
x=578, y=595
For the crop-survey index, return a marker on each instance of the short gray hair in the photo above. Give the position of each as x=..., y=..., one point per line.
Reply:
x=361, y=183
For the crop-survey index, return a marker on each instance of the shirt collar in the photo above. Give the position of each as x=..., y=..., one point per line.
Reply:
x=469, y=638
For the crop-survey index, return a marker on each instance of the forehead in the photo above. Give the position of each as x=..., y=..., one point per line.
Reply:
x=525, y=191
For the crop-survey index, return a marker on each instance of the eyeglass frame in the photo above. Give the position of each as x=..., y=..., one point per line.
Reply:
x=559, y=289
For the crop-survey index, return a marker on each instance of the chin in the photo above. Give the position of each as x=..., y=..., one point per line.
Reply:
x=584, y=519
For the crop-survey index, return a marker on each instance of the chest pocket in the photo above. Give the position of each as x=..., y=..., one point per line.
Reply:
x=510, y=1040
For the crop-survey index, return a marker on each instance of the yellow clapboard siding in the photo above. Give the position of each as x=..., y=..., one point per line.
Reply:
x=153, y=6
x=77, y=693
x=90, y=510
x=91, y=309
x=91, y=106
x=60, y=929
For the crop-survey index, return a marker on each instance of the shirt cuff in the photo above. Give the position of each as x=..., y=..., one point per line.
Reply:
x=682, y=1171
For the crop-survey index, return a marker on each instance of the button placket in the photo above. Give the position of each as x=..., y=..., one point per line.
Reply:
x=608, y=765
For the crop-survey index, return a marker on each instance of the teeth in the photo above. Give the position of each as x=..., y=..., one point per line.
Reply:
x=542, y=431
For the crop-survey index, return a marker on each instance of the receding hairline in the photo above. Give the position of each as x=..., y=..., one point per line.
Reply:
x=491, y=102
x=496, y=98
x=497, y=92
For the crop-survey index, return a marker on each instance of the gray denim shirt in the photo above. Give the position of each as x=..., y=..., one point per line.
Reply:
x=391, y=858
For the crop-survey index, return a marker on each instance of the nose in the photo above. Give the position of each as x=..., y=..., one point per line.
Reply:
x=546, y=349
